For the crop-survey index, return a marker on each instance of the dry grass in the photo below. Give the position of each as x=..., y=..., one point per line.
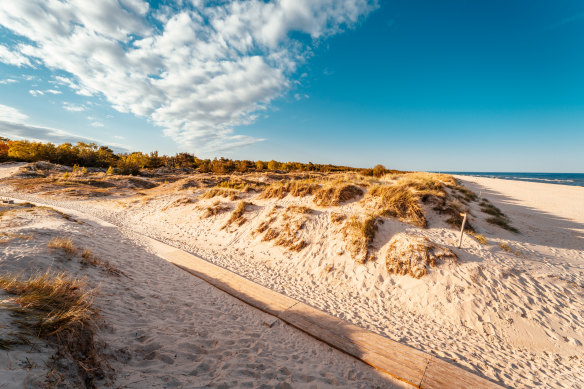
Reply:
x=7, y=237
x=337, y=218
x=361, y=233
x=296, y=188
x=288, y=233
x=237, y=214
x=215, y=209
x=296, y=209
x=497, y=218
x=399, y=201
x=479, y=237
x=88, y=258
x=336, y=194
x=58, y=308
x=180, y=202
x=65, y=245
x=231, y=194
x=237, y=185
x=408, y=255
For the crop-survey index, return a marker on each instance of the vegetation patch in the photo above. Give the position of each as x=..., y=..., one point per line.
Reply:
x=399, y=201
x=336, y=194
x=57, y=308
x=180, y=202
x=88, y=258
x=64, y=245
x=337, y=218
x=413, y=256
x=361, y=233
x=7, y=237
x=296, y=188
x=497, y=218
x=479, y=237
x=293, y=220
x=237, y=217
x=231, y=194
x=215, y=209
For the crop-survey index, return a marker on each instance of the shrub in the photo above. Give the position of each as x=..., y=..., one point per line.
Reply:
x=379, y=170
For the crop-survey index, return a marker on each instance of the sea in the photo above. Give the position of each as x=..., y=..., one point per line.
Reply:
x=574, y=179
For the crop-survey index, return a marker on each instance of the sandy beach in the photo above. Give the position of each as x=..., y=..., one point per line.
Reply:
x=510, y=310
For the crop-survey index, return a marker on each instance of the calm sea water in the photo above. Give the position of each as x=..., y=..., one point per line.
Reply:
x=575, y=179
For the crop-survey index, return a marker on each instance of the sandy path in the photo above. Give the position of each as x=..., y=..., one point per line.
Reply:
x=9, y=168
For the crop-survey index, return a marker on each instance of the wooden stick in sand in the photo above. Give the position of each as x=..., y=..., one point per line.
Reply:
x=462, y=229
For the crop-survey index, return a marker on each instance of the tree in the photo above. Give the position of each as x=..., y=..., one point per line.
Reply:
x=273, y=165
x=379, y=170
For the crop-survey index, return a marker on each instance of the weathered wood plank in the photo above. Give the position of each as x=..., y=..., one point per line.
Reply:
x=403, y=362
x=248, y=291
x=400, y=361
x=441, y=374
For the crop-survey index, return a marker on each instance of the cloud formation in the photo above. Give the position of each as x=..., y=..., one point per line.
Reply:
x=13, y=125
x=196, y=71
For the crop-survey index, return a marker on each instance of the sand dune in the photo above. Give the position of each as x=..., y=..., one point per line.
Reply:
x=510, y=310
x=163, y=327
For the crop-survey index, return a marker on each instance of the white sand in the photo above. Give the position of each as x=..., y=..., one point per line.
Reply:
x=166, y=328
x=514, y=317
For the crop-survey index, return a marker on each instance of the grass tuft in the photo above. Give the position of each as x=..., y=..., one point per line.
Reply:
x=215, y=209
x=57, y=308
x=237, y=214
x=361, y=233
x=497, y=218
x=90, y=259
x=64, y=244
x=336, y=194
x=409, y=255
x=479, y=237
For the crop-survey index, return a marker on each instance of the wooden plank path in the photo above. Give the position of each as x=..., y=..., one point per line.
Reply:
x=403, y=362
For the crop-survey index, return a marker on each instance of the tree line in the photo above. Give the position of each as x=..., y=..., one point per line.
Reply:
x=93, y=155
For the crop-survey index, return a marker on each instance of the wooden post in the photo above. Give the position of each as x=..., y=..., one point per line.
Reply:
x=462, y=229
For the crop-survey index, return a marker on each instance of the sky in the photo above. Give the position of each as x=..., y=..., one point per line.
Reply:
x=451, y=85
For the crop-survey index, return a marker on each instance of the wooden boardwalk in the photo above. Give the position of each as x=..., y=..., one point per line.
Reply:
x=405, y=363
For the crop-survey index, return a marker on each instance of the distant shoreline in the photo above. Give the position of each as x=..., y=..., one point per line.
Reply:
x=570, y=179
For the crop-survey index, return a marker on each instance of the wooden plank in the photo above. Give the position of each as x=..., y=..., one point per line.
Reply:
x=400, y=361
x=248, y=291
x=441, y=374
x=403, y=362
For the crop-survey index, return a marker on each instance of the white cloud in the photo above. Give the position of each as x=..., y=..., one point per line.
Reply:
x=13, y=124
x=73, y=107
x=209, y=67
x=36, y=92
x=53, y=91
x=10, y=114
x=97, y=124
x=10, y=57
x=7, y=81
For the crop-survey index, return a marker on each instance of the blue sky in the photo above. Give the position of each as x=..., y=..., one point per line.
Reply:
x=421, y=85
